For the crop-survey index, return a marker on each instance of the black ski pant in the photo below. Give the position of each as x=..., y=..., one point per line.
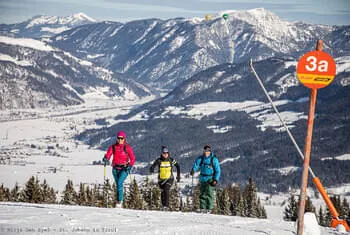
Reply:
x=165, y=189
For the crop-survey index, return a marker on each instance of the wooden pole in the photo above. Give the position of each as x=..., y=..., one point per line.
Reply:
x=307, y=151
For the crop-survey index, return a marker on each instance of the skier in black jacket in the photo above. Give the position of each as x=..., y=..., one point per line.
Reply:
x=165, y=174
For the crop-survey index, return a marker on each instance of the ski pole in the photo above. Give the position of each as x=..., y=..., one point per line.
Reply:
x=316, y=180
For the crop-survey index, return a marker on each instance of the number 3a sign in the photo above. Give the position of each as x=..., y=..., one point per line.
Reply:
x=316, y=69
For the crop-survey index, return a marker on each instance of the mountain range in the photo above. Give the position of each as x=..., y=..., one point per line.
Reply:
x=212, y=95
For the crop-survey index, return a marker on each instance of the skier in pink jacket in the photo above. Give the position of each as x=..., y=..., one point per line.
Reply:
x=123, y=161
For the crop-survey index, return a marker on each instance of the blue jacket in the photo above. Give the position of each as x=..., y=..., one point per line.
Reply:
x=207, y=172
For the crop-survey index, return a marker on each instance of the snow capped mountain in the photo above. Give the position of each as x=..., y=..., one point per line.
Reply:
x=167, y=52
x=45, y=26
x=34, y=74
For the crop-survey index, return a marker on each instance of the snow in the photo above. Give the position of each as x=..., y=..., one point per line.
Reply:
x=55, y=30
x=217, y=129
x=94, y=56
x=285, y=170
x=62, y=219
x=49, y=20
x=26, y=42
x=311, y=226
x=4, y=57
x=258, y=110
x=230, y=160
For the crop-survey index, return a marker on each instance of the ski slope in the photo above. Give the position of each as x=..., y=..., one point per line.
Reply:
x=18, y=218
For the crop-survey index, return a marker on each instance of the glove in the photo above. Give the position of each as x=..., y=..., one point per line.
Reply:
x=178, y=179
x=214, y=182
x=104, y=160
x=192, y=172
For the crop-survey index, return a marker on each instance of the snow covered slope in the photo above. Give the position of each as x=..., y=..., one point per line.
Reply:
x=60, y=219
x=44, y=26
x=34, y=74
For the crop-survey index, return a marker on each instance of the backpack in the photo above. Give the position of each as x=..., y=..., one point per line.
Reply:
x=211, y=164
x=113, y=150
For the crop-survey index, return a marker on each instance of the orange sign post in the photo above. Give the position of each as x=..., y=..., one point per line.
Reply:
x=315, y=69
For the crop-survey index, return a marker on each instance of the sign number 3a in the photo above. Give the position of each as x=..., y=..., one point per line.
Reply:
x=316, y=69
x=312, y=65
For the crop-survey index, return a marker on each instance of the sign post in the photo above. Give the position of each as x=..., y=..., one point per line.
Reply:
x=315, y=69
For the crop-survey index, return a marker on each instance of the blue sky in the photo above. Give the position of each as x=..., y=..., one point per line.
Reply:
x=331, y=12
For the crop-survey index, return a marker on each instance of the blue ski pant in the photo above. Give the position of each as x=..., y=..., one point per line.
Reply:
x=119, y=177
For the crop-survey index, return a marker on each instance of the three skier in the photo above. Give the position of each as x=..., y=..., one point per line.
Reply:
x=209, y=167
x=123, y=161
x=165, y=166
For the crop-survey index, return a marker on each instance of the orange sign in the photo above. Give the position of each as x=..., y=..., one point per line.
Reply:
x=316, y=69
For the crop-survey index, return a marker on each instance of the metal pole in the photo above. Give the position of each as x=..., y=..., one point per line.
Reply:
x=307, y=151
x=279, y=116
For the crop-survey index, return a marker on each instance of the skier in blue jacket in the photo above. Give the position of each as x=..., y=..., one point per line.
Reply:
x=209, y=167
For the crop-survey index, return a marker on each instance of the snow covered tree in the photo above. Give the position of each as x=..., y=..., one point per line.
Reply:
x=309, y=207
x=156, y=195
x=95, y=197
x=82, y=199
x=321, y=217
x=291, y=210
x=49, y=194
x=134, y=199
x=195, y=198
x=250, y=197
x=15, y=193
x=174, y=198
x=224, y=202
x=107, y=195
x=69, y=194
x=4, y=193
x=146, y=192
x=32, y=192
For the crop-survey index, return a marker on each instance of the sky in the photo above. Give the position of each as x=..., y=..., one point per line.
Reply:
x=330, y=12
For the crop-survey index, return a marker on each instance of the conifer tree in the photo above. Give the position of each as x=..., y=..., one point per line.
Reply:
x=52, y=196
x=224, y=203
x=134, y=198
x=15, y=193
x=156, y=198
x=4, y=193
x=250, y=196
x=108, y=197
x=345, y=209
x=95, y=197
x=114, y=194
x=195, y=198
x=291, y=211
x=321, y=219
x=82, y=199
x=48, y=193
x=174, y=198
x=146, y=192
x=239, y=209
x=31, y=192
x=309, y=206
x=69, y=194
x=88, y=193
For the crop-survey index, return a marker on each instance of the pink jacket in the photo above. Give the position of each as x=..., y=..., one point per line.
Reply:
x=120, y=156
